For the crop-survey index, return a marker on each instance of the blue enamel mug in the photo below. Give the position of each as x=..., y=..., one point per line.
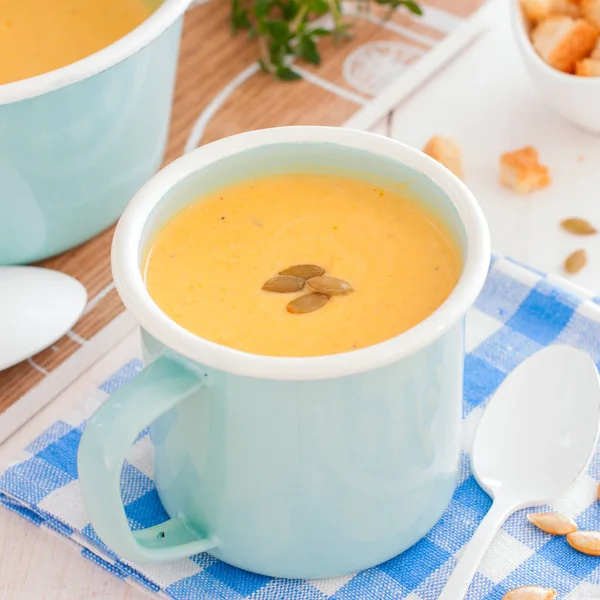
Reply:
x=292, y=467
x=76, y=143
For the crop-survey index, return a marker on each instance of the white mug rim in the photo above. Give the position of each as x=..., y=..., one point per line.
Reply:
x=130, y=285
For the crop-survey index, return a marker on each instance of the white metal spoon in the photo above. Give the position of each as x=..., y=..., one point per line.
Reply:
x=37, y=307
x=534, y=439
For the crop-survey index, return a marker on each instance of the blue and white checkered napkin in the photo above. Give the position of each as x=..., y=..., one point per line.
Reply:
x=518, y=312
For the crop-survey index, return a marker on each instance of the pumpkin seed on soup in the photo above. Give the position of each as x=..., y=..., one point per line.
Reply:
x=329, y=285
x=304, y=271
x=284, y=284
x=307, y=303
x=578, y=226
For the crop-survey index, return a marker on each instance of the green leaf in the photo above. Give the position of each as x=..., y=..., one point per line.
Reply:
x=319, y=7
x=320, y=32
x=279, y=30
x=277, y=53
x=284, y=28
x=413, y=7
x=239, y=17
x=241, y=21
x=286, y=74
x=307, y=49
x=261, y=8
x=289, y=9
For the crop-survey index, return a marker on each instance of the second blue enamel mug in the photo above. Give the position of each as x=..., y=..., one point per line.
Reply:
x=293, y=467
x=77, y=142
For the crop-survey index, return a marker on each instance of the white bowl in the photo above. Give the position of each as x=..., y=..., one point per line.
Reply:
x=577, y=99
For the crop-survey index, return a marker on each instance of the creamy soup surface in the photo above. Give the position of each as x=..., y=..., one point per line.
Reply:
x=37, y=36
x=205, y=269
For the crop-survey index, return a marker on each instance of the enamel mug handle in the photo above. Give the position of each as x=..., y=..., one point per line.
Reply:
x=107, y=437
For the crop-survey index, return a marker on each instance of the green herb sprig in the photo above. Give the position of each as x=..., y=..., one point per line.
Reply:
x=286, y=29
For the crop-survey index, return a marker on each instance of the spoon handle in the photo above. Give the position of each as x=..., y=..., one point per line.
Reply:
x=461, y=578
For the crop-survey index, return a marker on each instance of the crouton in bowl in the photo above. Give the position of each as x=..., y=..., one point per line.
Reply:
x=559, y=41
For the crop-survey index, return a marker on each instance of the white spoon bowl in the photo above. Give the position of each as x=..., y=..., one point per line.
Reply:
x=37, y=307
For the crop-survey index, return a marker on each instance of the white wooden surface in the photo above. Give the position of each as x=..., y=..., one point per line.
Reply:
x=35, y=565
x=486, y=101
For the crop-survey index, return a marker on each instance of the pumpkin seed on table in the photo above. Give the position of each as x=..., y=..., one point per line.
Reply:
x=304, y=271
x=284, y=284
x=307, y=303
x=578, y=226
x=553, y=523
x=329, y=285
x=576, y=261
x=530, y=592
x=587, y=542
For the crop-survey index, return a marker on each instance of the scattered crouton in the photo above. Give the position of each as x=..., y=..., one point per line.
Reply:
x=590, y=9
x=562, y=41
x=596, y=51
x=521, y=171
x=447, y=152
x=538, y=10
x=588, y=67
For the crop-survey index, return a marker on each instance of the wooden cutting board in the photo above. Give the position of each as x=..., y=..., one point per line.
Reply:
x=220, y=92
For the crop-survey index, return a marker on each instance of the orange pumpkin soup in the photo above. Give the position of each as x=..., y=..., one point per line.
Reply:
x=37, y=36
x=207, y=267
